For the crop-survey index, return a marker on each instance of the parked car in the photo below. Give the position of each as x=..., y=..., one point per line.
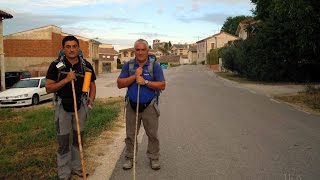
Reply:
x=28, y=91
x=13, y=77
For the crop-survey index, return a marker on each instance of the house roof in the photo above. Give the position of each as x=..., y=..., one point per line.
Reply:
x=128, y=49
x=57, y=29
x=4, y=15
x=107, y=51
x=34, y=29
x=215, y=35
x=245, y=23
x=180, y=46
x=193, y=48
x=169, y=58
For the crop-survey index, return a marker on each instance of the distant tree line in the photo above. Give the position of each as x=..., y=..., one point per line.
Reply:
x=284, y=44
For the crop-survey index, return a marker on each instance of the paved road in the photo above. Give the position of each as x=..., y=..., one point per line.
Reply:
x=212, y=129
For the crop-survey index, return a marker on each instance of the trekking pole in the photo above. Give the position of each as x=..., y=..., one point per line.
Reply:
x=78, y=130
x=135, y=135
x=125, y=110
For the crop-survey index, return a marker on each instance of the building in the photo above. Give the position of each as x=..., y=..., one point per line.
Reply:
x=180, y=49
x=171, y=60
x=126, y=54
x=213, y=42
x=107, y=58
x=192, y=53
x=243, y=31
x=35, y=49
x=156, y=44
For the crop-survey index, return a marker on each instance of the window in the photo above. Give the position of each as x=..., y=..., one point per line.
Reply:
x=43, y=83
x=132, y=54
x=108, y=57
x=212, y=46
x=125, y=54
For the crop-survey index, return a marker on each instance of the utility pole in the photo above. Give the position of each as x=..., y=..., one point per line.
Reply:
x=3, y=15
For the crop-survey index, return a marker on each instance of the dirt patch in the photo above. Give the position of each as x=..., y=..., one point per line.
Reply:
x=302, y=101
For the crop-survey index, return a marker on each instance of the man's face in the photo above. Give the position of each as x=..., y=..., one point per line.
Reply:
x=141, y=52
x=71, y=49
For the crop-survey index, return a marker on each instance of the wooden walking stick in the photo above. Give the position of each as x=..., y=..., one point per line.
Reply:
x=135, y=135
x=78, y=130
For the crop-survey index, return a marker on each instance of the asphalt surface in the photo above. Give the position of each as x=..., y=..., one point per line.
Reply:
x=213, y=129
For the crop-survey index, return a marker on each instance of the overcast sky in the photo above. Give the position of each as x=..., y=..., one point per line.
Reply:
x=121, y=22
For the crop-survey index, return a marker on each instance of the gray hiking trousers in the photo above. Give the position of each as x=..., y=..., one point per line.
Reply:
x=150, y=119
x=65, y=123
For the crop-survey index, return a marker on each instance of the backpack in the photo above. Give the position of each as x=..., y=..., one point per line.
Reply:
x=60, y=59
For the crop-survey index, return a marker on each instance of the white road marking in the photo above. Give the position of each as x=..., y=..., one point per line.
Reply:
x=275, y=101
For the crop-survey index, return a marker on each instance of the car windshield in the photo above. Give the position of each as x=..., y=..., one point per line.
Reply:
x=27, y=83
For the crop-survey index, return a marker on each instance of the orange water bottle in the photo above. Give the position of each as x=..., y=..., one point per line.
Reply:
x=86, y=82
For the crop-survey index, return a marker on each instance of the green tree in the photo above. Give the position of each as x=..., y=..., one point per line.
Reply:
x=285, y=45
x=231, y=24
x=163, y=50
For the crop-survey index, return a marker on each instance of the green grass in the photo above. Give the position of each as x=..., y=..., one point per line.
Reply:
x=28, y=140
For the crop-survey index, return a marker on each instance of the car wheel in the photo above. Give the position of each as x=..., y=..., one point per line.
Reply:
x=35, y=99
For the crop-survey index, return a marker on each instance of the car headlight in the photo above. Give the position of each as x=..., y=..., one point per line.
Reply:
x=21, y=96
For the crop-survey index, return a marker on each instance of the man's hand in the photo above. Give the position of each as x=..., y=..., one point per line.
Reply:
x=90, y=103
x=138, y=72
x=140, y=80
x=71, y=76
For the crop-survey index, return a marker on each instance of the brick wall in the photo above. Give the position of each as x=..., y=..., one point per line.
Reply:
x=27, y=48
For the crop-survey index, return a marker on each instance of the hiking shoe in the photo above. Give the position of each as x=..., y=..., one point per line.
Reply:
x=79, y=173
x=128, y=164
x=155, y=164
x=66, y=178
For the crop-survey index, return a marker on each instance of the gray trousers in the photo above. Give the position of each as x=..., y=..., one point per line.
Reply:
x=65, y=124
x=150, y=119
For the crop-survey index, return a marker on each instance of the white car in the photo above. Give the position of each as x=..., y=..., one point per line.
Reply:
x=28, y=91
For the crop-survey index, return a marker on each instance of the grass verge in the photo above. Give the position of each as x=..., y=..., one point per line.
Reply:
x=234, y=77
x=309, y=98
x=28, y=139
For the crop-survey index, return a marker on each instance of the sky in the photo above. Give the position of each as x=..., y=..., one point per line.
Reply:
x=121, y=22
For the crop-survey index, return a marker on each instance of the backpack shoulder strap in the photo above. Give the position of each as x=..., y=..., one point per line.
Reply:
x=150, y=67
x=131, y=66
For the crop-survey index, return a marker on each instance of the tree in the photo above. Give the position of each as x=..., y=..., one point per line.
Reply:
x=231, y=24
x=170, y=45
x=163, y=50
x=166, y=46
x=286, y=44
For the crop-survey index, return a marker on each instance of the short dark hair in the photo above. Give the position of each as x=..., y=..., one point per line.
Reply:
x=69, y=38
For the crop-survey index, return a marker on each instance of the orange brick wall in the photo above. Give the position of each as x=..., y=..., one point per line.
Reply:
x=38, y=48
x=56, y=44
x=27, y=48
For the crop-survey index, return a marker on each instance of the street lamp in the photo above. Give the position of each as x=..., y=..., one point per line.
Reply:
x=3, y=15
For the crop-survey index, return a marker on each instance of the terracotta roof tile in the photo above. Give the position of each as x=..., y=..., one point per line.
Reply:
x=107, y=51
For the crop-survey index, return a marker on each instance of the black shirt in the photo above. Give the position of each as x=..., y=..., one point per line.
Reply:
x=79, y=68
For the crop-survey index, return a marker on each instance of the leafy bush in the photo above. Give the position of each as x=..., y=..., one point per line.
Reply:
x=119, y=66
x=213, y=57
